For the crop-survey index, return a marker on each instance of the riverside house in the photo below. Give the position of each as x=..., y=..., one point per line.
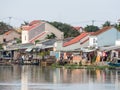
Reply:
x=10, y=36
x=38, y=30
x=106, y=36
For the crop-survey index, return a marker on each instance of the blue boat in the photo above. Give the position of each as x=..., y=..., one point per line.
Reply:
x=115, y=62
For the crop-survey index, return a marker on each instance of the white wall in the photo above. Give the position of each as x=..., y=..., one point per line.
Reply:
x=25, y=37
x=117, y=43
x=59, y=45
x=93, y=41
x=51, y=29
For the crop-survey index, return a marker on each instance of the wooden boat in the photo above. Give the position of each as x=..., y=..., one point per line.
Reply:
x=115, y=62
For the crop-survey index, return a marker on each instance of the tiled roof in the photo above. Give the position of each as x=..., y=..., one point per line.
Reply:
x=76, y=39
x=35, y=22
x=37, y=37
x=8, y=32
x=32, y=25
x=102, y=30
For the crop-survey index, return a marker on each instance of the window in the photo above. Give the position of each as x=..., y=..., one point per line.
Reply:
x=94, y=41
x=4, y=40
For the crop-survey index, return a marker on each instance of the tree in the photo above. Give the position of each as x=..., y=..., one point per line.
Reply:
x=68, y=30
x=107, y=23
x=36, y=41
x=18, y=40
x=25, y=23
x=91, y=28
x=51, y=36
x=1, y=46
x=117, y=26
x=4, y=27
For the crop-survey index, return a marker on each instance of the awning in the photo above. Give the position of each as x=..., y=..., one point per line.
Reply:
x=110, y=48
x=28, y=49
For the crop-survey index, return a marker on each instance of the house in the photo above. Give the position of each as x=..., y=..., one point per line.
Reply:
x=79, y=29
x=9, y=37
x=38, y=30
x=104, y=37
x=75, y=43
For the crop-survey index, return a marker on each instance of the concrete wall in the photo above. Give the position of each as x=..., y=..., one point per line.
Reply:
x=11, y=36
x=51, y=29
x=107, y=38
x=1, y=38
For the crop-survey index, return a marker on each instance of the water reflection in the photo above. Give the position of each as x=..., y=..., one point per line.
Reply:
x=37, y=78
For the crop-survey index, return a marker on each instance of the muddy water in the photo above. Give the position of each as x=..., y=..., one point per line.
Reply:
x=38, y=78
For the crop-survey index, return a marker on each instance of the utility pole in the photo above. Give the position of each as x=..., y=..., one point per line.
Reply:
x=93, y=22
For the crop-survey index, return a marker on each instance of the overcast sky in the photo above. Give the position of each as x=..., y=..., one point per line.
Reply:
x=74, y=12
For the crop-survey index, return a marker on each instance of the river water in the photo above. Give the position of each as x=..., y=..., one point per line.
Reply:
x=29, y=77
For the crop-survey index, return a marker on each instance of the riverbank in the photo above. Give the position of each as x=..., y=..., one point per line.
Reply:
x=75, y=66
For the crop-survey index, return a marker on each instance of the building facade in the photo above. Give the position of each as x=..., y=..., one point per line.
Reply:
x=104, y=37
x=38, y=30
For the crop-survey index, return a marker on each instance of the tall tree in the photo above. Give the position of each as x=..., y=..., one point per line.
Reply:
x=4, y=27
x=67, y=29
x=91, y=28
x=117, y=26
x=107, y=23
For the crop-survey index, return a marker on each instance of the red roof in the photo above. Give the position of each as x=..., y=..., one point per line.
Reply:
x=76, y=39
x=102, y=30
x=35, y=22
x=8, y=32
x=32, y=25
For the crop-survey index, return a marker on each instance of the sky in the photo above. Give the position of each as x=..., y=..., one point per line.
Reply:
x=73, y=12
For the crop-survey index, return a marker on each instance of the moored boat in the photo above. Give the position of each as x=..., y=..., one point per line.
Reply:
x=115, y=62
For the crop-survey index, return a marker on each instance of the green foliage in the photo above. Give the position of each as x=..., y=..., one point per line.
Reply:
x=51, y=36
x=18, y=40
x=4, y=27
x=56, y=65
x=36, y=41
x=107, y=23
x=117, y=26
x=91, y=28
x=67, y=29
x=44, y=53
x=1, y=46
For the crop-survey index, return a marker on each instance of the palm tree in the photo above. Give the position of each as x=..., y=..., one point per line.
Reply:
x=51, y=36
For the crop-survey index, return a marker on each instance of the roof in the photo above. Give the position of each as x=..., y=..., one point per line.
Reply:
x=76, y=39
x=77, y=28
x=49, y=42
x=10, y=31
x=19, y=46
x=67, y=39
x=37, y=37
x=102, y=30
x=34, y=22
x=32, y=25
x=109, y=48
